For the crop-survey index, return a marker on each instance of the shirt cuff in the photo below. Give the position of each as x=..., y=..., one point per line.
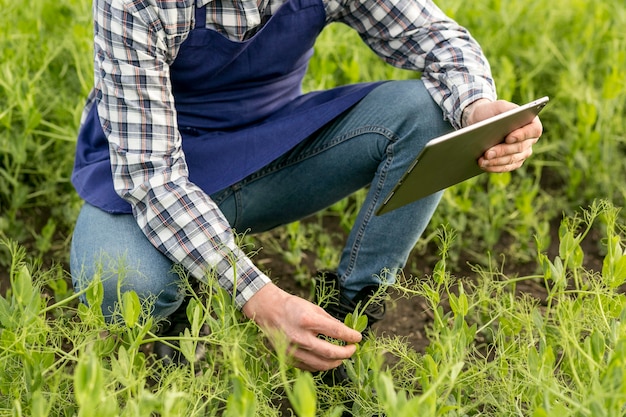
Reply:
x=237, y=275
x=245, y=292
x=469, y=94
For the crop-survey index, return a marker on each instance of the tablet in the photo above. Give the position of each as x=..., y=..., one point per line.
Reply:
x=452, y=158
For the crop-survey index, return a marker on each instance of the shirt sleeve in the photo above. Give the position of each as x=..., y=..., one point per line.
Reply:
x=135, y=42
x=417, y=35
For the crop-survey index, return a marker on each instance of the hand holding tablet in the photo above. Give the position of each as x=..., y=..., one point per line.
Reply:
x=459, y=155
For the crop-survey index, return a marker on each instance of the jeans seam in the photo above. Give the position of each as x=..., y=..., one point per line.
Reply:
x=354, y=251
x=236, y=189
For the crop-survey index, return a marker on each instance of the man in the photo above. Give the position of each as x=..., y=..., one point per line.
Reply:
x=197, y=126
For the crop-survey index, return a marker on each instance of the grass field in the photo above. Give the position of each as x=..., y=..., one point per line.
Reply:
x=491, y=348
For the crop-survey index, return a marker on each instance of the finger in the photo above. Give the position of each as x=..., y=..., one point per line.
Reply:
x=324, y=349
x=500, y=154
x=332, y=327
x=313, y=365
x=505, y=163
x=318, y=354
x=504, y=168
x=310, y=353
x=323, y=324
x=311, y=361
x=533, y=130
x=327, y=325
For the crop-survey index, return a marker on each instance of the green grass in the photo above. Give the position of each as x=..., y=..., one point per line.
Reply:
x=492, y=350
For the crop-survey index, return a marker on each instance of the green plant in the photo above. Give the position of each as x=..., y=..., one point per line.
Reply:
x=40, y=100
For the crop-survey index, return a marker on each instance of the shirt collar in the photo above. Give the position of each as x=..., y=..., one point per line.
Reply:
x=246, y=12
x=202, y=3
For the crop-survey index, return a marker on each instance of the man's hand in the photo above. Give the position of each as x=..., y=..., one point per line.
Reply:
x=517, y=146
x=302, y=322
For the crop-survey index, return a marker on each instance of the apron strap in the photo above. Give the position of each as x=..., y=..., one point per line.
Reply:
x=200, y=17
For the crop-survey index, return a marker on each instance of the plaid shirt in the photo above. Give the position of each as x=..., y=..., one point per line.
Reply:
x=137, y=40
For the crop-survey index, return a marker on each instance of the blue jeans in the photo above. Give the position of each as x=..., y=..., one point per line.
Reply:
x=371, y=144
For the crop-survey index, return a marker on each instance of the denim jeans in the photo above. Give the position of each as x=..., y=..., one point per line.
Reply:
x=372, y=144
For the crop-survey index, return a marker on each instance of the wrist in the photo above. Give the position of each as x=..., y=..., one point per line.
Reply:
x=262, y=301
x=468, y=112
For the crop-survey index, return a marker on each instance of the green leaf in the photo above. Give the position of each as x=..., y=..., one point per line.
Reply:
x=7, y=319
x=463, y=303
x=534, y=362
x=242, y=401
x=195, y=316
x=557, y=272
x=598, y=345
x=361, y=323
x=131, y=308
x=386, y=392
x=22, y=285
x=39, y=406
x=94, y=293
x=303, y=395
x=614, y=270
x=188, y=347
x=356, y=322
x=88, y=381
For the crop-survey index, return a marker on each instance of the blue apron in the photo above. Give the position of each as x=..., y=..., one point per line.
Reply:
x=239, y=104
